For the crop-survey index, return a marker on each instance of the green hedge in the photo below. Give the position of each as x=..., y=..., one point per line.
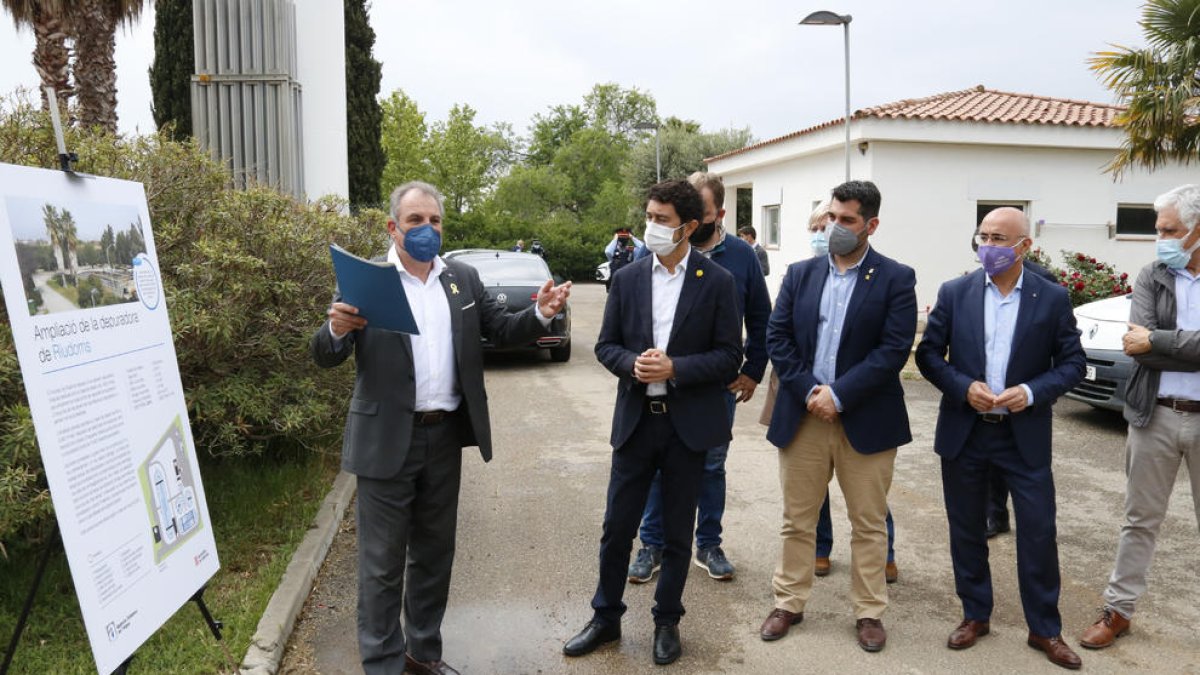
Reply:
x=247, y=279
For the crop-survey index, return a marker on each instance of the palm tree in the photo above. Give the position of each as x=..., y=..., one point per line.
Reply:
x=51, y=58
x=1160, y=85
x=95, y=23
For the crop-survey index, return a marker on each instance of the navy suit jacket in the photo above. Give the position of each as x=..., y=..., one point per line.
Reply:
x=1046, y=356
x=877, y=338
x=705, y=345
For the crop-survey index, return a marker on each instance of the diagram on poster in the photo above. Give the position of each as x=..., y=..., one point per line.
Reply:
x=88, y=312
x=169, y=488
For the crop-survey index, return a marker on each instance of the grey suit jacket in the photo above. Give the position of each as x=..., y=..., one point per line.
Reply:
x=380, y=422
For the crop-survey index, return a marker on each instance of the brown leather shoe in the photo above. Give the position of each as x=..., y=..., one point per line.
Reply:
x=891, y=573
x=822, y=567
x=778, y=622
x=871, y=635
x=1056, y=650
x=967, y=632
x=1105, y=631
x=438, y=667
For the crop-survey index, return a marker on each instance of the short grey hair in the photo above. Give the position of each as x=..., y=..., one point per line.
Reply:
x=819, y=213
x=419, y=186
x=1186, y=200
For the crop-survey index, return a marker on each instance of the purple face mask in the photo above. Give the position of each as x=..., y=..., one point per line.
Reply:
x=997, y=259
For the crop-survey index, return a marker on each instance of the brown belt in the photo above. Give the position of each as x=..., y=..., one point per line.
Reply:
x=1180, y=405
x=431, y=417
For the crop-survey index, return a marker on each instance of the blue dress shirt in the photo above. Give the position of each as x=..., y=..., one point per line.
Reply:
x=835, y=298
x=999, y=322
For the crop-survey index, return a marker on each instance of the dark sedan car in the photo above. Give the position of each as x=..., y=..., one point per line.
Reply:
x=513, y=280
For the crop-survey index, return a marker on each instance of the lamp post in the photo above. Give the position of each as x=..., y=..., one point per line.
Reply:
x=647, y=126
x=823, y=18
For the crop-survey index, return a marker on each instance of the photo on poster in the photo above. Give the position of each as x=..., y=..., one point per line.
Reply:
x=74, y=254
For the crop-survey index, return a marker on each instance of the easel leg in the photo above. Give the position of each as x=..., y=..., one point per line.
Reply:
x=33, y=588
x=214, y=626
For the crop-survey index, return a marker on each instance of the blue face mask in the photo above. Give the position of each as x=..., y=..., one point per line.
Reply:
x=819, y=243
x=422, y=242
x=1171, y=253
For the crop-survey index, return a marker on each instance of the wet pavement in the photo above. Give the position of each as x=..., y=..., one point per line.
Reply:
x=529, y=530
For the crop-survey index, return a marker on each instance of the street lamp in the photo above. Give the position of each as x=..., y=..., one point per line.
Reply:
x=647, y=126
x=824, y=18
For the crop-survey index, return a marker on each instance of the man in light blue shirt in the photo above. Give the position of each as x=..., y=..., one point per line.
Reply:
x=1162, y=403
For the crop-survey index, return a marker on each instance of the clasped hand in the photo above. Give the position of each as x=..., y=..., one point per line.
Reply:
x=1137, y=340
x=653, y=365
x=821, y=403
x=981, y=398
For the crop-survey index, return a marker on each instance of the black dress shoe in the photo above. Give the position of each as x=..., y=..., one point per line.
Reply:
x=995, y=527
x=415, y=667
x=666, y=644
x=593, y=635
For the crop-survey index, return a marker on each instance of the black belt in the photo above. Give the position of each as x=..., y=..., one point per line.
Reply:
x=993, y=418
x=1179, y=405
x=429, y=418
x=657, y=405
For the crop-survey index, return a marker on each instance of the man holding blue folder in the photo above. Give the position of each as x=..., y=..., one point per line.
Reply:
x=418, y=400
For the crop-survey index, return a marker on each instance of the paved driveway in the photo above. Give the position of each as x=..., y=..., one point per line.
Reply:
x=530, y=526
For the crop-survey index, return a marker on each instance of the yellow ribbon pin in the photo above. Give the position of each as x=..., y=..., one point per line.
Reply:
x=699, y=273
x=454, y=288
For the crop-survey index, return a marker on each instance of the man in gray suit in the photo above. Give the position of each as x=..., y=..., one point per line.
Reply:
x=418, y=400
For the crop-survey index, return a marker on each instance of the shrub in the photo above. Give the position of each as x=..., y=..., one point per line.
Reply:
x=246, y=276
x=1085, y=278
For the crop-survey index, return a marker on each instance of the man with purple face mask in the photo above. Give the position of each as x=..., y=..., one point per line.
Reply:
x=1002, y=346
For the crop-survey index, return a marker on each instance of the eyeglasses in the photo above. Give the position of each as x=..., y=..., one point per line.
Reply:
x=984, y=239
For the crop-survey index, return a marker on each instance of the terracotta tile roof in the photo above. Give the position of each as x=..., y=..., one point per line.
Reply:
x=977, y=104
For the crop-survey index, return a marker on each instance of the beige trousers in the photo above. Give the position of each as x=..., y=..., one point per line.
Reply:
x=819, y=451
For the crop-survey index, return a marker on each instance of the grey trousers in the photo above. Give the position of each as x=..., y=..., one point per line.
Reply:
x=1152, y=457
x=406, y=528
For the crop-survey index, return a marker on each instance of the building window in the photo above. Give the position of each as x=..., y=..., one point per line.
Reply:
x=770, y=228
x=983, y=208
x=1136, y=219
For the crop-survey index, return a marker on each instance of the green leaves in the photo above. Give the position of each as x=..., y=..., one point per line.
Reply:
x=1160, y=85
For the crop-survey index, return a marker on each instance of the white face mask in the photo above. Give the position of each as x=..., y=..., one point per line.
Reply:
x=661, y=239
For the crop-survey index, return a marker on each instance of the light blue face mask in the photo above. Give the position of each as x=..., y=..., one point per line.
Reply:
x=1172, y=254
x=819, y=243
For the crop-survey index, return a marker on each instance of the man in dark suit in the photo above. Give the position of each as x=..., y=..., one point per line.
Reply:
x=418, y=400
x=1013, y=350
x=841, y=331
x=672, y=336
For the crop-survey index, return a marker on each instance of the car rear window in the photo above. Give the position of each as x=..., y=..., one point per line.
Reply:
x=500, y=270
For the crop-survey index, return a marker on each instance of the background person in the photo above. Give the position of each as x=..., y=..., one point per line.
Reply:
x=753, y=308
x=748, y=234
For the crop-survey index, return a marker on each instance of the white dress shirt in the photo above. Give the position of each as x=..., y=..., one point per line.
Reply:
x=664, y=297
x=433, y=350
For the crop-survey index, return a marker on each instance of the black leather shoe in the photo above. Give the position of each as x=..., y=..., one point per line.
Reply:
x=995, y=527
x=415, y=667
x=666, y=644
x=593, y=635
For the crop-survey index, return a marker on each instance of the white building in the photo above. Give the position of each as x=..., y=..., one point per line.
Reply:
x=940, y=163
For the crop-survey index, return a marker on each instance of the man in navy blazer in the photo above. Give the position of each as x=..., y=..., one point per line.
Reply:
x=672, y=337
x=841, y=331
x=1013, y=349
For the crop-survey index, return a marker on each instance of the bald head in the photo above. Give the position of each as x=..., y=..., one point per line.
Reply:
x=1006, y=220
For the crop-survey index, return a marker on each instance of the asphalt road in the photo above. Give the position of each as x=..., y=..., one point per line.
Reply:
x=529, y=529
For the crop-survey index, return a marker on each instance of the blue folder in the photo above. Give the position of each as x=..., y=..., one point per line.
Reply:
x=375, y=289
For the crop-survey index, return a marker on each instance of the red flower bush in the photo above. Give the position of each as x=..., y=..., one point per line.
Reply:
x=1085, y=278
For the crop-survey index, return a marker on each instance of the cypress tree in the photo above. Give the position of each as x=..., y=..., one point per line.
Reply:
x=174, y=64
x=363, y=114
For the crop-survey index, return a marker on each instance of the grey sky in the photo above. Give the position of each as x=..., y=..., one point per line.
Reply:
x=25, y=218
x=719, y=63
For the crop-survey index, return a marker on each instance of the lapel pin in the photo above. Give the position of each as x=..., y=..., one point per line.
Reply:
x=869, y=273
x=454, y=288
x=699, y=273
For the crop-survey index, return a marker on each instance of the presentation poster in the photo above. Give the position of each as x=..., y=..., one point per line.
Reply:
x=89, y=318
